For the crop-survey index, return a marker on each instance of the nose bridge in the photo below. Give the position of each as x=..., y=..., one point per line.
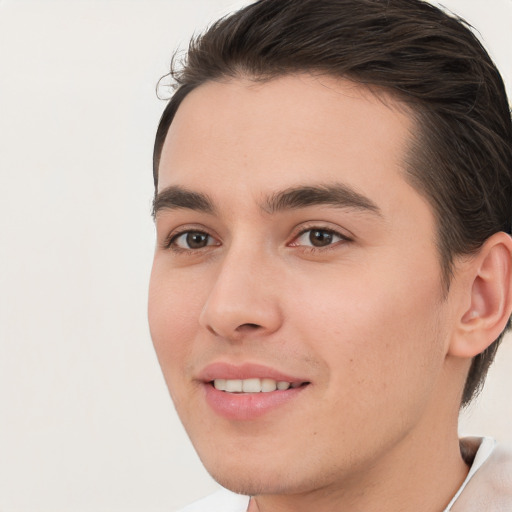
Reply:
x=243, y=297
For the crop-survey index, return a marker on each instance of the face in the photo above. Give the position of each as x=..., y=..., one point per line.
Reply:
x=295, y=271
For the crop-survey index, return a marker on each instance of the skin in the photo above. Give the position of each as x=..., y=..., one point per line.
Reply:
x=363, y=318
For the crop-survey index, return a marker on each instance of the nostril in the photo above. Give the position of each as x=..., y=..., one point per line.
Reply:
x=248, y=327
x=239, y=331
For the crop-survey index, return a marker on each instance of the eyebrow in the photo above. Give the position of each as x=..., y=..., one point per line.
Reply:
x=337, y=195
x=174, y=198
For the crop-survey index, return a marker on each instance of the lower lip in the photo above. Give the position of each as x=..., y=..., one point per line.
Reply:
x=248, y=406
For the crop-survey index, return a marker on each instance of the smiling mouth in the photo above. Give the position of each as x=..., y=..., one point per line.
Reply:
x=254, y=385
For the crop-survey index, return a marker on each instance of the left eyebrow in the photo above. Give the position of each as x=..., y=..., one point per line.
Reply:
x=338, y=195
x=173, y=198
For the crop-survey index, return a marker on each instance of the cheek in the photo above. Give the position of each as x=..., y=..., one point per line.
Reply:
x=377, y=331
x=173, y=311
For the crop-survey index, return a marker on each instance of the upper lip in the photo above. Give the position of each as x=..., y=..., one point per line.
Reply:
x=224, y=370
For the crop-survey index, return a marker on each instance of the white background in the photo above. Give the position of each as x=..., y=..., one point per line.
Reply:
x=85, y=420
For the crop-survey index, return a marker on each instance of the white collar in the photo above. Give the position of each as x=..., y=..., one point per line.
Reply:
x=484, y=451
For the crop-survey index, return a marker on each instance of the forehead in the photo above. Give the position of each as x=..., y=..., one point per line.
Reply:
x=290, y=131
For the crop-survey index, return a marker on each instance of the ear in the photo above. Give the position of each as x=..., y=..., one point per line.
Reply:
x=488, y=291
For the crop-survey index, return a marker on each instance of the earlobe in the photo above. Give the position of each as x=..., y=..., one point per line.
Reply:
x=490, y=298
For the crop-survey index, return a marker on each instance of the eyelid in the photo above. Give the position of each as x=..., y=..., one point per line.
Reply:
x=320, y=226
x=205, y=237
x=174, y=234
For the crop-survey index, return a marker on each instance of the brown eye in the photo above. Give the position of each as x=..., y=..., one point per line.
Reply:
x=320, y=237
x=192, y=240
x=197, y=240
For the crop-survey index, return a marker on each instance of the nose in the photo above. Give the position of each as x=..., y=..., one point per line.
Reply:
x=243, y=300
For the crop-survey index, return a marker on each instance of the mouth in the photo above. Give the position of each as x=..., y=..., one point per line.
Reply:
x=249, y=391
x=254, y=385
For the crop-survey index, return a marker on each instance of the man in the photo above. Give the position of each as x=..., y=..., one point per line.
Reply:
x=332, y=277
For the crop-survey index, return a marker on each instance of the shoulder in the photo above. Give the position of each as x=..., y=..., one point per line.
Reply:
x=221, y=501
x=490, y=488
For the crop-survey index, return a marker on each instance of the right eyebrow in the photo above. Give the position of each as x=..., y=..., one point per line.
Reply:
x=174, y=198
x=338, y=195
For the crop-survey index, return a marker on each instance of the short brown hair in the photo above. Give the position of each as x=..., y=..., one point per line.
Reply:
x=461, y=156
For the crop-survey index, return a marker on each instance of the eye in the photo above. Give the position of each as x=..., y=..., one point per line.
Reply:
x=191, y=240
x=318, y=237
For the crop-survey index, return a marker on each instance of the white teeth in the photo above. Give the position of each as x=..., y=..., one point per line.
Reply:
x=220, y=384
x=234, y=386
x=268, y=385
x=252, y=385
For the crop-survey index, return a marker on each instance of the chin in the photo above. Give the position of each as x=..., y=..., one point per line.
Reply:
x=246, y=485
x=243, y=476
x=240, y=473
x=254, y=484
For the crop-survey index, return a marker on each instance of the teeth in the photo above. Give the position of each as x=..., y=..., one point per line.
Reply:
x=220, y=384
x=252, y=385
x=234, y=386
x=268, y=385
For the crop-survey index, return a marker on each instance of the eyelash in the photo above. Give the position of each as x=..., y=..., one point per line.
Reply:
x=324, y=230
x=170, y=242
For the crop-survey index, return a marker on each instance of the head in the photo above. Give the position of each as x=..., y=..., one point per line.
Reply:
x=333, y=184
x=460, y=154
